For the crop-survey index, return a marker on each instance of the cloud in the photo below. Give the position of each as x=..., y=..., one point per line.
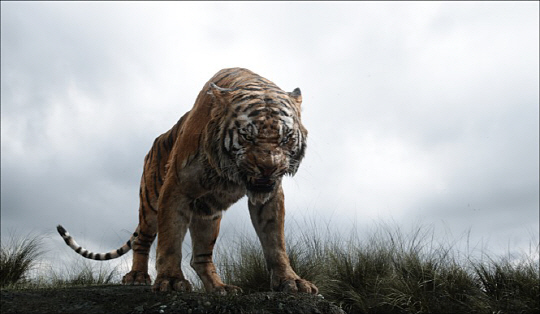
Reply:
x=414, y=110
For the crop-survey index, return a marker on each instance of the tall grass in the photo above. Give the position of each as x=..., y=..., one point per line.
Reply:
x=17, y=258
x=243, y=265
x=393, y=271
x=85, y=273
x=389, y=271
x=509, y=286
x=20, y=257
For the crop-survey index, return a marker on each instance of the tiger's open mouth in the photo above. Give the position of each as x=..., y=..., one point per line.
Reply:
x=261, y=185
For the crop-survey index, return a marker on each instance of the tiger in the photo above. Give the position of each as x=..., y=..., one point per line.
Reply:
x=241, y=137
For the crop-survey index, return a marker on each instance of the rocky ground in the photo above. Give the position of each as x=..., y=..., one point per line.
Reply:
x=140, y=299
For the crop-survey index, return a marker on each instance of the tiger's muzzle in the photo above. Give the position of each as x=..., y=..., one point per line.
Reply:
x=261, y=185
x=264, y=168
x=264, y=177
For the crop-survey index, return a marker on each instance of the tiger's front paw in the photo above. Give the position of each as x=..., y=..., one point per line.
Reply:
x=297, y=285
x=164, y=284
x=227, y=290
x=136, y=278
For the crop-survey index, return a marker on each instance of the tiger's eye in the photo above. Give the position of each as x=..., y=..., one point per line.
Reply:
x=246, y=136
x=286, y=139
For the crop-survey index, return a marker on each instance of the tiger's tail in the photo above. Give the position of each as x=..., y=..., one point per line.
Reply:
x=96, y=256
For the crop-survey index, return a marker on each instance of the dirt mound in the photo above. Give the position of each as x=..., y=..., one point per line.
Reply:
x=140, y=299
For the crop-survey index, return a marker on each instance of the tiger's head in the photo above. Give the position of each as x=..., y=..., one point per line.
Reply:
x=261, y=137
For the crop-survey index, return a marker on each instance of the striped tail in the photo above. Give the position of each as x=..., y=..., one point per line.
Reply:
x=91, y=255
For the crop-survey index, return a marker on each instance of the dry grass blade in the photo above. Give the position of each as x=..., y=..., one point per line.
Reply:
x=17, y=258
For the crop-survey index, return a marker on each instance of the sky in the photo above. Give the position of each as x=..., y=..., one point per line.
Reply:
x=418, y=112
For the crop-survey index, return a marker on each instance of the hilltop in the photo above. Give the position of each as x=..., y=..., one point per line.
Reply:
x=140, y=299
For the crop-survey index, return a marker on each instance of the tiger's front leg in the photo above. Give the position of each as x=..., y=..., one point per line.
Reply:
x=204, y=232
x=174, y=217
x=268, y=220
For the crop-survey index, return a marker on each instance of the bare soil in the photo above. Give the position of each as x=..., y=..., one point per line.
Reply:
x=140, y=299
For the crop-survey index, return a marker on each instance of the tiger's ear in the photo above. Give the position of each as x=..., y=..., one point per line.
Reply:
x=296, y=95
x=218, y=92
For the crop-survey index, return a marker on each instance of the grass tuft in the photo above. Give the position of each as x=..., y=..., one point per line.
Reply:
x=510, y=286
x=244, y=266
x=86, y=274
x=17, y=258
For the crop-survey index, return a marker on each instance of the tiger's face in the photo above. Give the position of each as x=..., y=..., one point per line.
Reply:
x=265, y=146
x=263, y=138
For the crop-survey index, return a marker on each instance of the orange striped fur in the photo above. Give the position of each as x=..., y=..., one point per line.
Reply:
x=241, y=137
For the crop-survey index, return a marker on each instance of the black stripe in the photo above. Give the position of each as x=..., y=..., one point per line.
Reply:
x=97, y=256
x=204, y=255
x=274, y=113
x=156, y=180
x=79, y=249
x=61, y=230
x=160, y=176
x=147, y=202
x=254, y=113
x=243, y=97
x=253, y=89
x=85, y=253
x=158, y=151
x=146, y=196
x=286, y=102
x=143, y=212
x=145, y=235
x=144, y=244
x=284, y=113
x=151, y=207
x=251, y=105
x=225, y=76
x=172, y=136
x=108, y=256
x=120, y=252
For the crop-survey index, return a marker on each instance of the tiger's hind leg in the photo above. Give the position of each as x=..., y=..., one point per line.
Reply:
x=204, y=232
x=141, y=248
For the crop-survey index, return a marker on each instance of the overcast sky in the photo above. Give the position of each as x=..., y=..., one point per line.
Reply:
x=417, y=112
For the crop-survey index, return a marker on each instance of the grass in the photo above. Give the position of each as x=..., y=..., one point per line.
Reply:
x=508, y=286
x=391, y=271
x=20, y=258
x=85, y=274
x=395, y=272
x=17, y=258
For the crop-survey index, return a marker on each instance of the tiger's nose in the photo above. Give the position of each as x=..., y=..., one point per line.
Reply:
x=267, y=170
